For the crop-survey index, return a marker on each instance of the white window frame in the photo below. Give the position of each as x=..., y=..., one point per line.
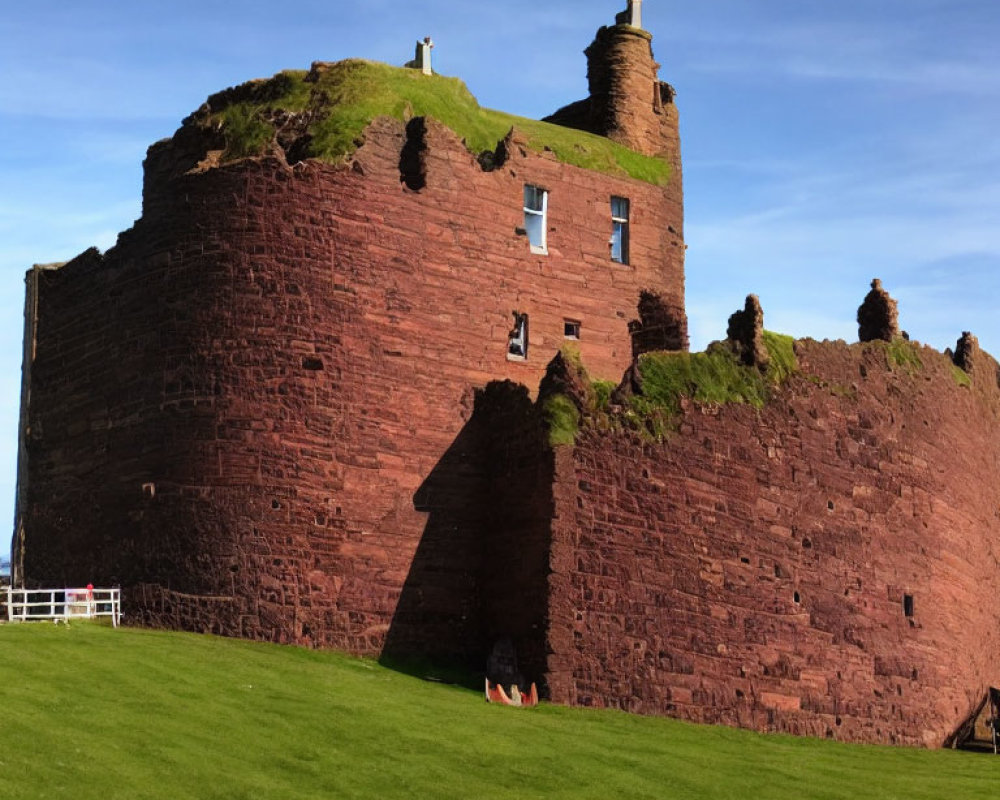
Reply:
x=518, y=338
x=620, y=225
x=573, y=324
x=543, y=248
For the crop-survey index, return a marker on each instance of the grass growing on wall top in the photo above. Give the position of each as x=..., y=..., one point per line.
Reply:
x=350, y=94
x=92, y=713
x=715, y=376
x=903, y=353
x=246, y=133
x=562, y=418
x=961, y=377
x=602, y=393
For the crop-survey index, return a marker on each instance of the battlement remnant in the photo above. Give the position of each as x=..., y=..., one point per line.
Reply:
x=967, y=352
x=746, y=334
x=662, y=325
x=878, y=316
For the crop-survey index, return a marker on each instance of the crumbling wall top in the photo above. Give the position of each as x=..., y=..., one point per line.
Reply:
x=878, y=316
x=746, y=334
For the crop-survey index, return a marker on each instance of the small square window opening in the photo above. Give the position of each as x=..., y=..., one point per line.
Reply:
x=619, y=229
x=536, y=205
x=571, y=329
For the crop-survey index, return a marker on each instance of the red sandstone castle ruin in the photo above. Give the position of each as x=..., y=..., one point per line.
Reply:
x=295, y=403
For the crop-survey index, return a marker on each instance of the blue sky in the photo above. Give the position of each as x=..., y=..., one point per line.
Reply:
x=825, y=143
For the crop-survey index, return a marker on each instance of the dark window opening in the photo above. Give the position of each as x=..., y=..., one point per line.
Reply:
x=908, y=605
x=517, y=342
x=413, y=158
x=619, y=229
x=797, y=598
x=571, y=329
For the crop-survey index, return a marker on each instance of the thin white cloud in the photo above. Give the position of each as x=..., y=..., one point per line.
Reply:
x=905, y=56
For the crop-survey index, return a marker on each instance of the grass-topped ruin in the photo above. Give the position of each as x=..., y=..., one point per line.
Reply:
x=322, y=114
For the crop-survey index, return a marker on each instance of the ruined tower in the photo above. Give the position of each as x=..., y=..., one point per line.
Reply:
x=288, y=405
x=628, y=102
x=262, y=413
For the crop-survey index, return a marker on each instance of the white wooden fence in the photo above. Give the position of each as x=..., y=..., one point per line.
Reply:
x=28, y=605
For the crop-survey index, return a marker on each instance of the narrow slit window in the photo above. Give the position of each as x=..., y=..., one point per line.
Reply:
x=571, y=329
x=908, y=605
x=619, y=229
x=517, y=341
x=536, y=206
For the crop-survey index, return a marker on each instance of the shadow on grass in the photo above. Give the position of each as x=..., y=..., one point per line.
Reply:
x=435, y=671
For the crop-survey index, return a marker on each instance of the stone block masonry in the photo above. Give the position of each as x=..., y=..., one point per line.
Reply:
x=824, y=566
x=246, y=412
x=288, y=405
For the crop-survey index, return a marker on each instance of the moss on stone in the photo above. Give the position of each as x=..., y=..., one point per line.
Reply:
x=571, y=352
x=904, y=354
x=782, y=350
x=335, y=103
x=602, y=394
x=562, y=419
x=714, y=377
x=246, y=134
x=961, y=377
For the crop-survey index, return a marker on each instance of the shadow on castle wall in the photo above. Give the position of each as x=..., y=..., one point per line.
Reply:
x=479, y=574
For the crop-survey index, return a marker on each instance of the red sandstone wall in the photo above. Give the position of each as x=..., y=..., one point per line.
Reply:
x=239, y=412
x=676, y=565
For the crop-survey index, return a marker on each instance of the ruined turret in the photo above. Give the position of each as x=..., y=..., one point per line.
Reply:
x=628, y=102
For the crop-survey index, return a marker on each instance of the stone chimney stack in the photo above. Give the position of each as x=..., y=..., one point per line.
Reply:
x=422, y=58
x=628, y=101
x=631, y=15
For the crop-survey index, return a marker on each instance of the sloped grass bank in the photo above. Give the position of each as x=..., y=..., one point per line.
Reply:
x=91, y=712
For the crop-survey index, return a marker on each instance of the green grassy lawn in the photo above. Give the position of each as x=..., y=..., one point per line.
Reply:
x=91, y=712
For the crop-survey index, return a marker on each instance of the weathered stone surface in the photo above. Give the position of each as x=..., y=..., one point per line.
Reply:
x=756, y=568
x=878, y=316
x=566, y=376
x=967, y=352
x=627, y=103
x=281, y=408
x=746, y=334
x=662, y=324
x=288, y=358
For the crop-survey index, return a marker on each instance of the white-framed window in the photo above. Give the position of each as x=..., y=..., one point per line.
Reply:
x=619, y=229
x=571, y=328
x=517, y=339
x=536, y=206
